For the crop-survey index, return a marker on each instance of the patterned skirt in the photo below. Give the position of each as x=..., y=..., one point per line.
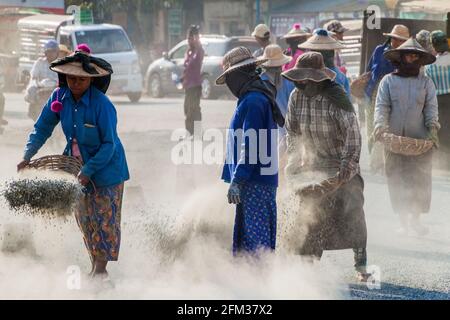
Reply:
x=339, y=220
x=256, y=219
x=98, y=217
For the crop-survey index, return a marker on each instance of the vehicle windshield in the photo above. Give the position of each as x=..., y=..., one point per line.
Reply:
x=219, y=49
x=104, y=41
x=214, y=49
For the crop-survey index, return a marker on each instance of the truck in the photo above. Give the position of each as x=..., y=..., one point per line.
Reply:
x=107, y=41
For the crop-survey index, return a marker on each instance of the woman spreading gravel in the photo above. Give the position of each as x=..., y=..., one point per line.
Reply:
x=89, y=121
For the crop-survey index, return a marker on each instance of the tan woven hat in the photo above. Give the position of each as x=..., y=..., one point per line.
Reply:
x=321, y=40
x=335, y=26
x=296, y=32
x=274, y=56
x=237, y=58
x=261, y=31
x=410, y=46
x=309, y=66
x=399, y=31
x=76, y=69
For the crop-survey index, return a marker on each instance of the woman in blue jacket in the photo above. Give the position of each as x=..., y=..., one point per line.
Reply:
x=251, y=165
x=89, y=121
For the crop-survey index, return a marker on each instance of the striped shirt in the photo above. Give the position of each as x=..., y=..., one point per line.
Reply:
x=439, y=72
x=322, y=135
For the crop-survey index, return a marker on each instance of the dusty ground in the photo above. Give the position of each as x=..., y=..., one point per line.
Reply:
x=177, y=229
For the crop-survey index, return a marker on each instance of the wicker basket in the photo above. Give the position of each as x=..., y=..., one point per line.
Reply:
x=358, y=85
x=67, y=164
x=319, y=190
x=406, y=146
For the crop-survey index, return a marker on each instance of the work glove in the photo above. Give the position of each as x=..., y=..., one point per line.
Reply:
x=234, y=193
x=433, y=136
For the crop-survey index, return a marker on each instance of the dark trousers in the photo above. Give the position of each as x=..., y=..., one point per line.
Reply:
x=192, y=109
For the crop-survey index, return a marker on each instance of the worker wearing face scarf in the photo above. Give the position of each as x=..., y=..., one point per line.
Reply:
x=251, y=165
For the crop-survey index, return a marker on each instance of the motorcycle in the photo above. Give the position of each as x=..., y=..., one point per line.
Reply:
x=38, y=96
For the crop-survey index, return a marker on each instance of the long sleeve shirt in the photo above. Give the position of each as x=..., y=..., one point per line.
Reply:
x=252, y=146
x=92, y=121
x=342, y=80
x=439, y=72
x=192, y=76
x=321, y=135
x=283, y=93
x=379, y=66
x=293, y=62
x=407, y=105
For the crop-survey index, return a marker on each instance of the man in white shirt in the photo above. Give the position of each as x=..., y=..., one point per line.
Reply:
x=41, y=75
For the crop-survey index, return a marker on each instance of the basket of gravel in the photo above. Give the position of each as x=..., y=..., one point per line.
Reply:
x=405, y=145
x=47, y=188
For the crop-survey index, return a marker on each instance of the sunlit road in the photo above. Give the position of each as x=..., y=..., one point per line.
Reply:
x=409, y=267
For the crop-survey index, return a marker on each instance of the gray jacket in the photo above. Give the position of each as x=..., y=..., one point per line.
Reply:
x=407, y=105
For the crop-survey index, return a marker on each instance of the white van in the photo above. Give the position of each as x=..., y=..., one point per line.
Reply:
x=106, y=41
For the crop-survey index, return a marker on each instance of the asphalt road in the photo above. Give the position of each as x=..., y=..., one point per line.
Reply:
x=409, y=267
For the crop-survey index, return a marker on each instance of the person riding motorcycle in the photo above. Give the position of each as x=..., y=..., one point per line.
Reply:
x=42, y=81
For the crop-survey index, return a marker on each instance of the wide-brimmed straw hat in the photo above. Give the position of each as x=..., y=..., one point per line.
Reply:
x=410, y=46
x=261, y=31
x=399, y=31
x=335, y=26
x=321, y=40
x=83, y=65
x=273, y=54
x=309, y=66
x=296, y=32
x=75, y=68
x=237, y=58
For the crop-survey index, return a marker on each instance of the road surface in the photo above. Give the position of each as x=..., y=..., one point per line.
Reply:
x=159, y=191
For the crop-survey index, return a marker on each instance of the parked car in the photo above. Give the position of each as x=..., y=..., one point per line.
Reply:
x=106, y=41
x=159, y=78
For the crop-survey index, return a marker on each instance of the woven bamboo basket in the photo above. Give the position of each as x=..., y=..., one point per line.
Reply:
x=321, y=189
x=64, y=163
x=405, y=145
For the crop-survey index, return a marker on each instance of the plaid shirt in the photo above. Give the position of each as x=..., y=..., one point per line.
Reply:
x=439, y=72
x=321, y=135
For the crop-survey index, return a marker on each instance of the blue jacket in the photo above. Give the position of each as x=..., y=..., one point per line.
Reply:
x=342, y=80
x=92, y=121
x=252, y=162
x=283, y=94
x=379, y=67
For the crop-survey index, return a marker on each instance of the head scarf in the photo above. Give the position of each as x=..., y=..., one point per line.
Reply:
x=329, y=89
x=274, y=74
x=405, y=69
x=247, y=79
